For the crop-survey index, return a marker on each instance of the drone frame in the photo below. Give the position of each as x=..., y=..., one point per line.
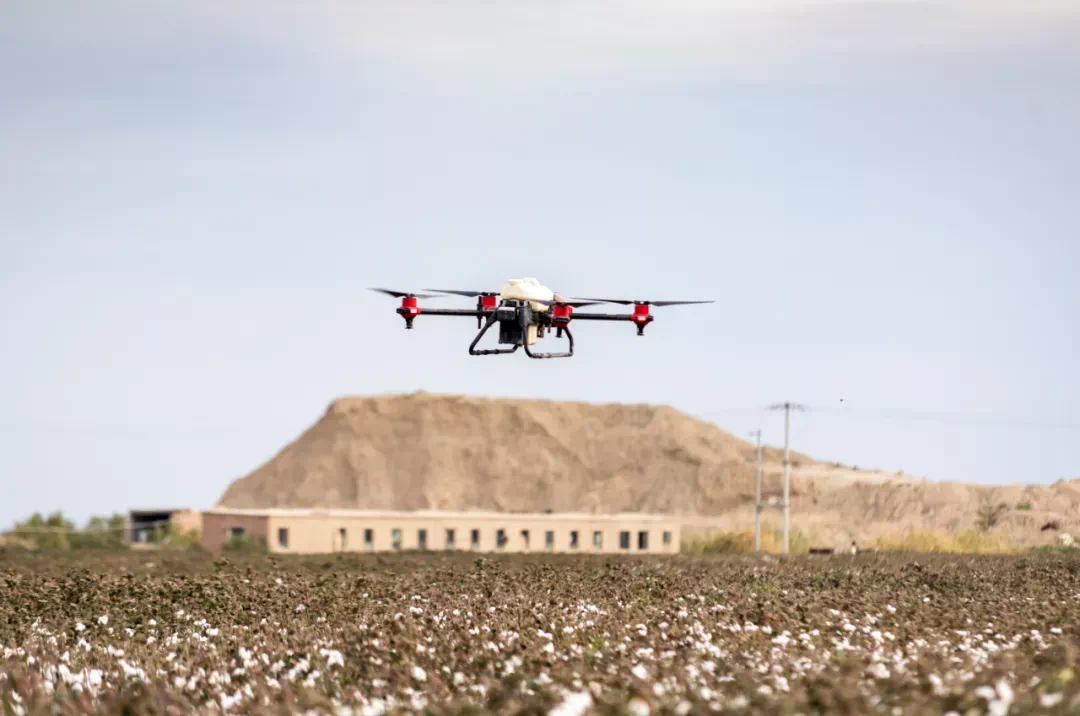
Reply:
x=516, y=316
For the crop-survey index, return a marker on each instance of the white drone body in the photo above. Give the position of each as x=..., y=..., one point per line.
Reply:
x=528, y=289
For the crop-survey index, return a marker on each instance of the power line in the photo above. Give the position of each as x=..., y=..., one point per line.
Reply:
x=47, y=529
x=973, y=419
x=182, y=432
x=161, y=432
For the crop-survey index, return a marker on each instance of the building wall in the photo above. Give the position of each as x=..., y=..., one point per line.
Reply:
x=312, y=532
x=216, y=528
x=186, y=521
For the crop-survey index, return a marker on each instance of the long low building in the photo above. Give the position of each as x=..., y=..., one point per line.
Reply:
x=316, y=531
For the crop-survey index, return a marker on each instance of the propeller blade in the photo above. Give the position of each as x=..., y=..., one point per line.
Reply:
x=572, y=304
x=607, y=300
x=625, y=302
x=678, y=303
x=404, y=294
x=466, y=294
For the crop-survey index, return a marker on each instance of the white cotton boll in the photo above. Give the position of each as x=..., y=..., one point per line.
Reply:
x=103, y=620
x=333, y=657
x=638, y=707
x=640, y=671
x=419, y=674
x=1049, y=701
x=574, y=704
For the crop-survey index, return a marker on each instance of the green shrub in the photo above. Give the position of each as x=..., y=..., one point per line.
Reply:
x=1024, y=507
x=244, y=543
x=45, y=532
x=181, y=541
x=101, y=533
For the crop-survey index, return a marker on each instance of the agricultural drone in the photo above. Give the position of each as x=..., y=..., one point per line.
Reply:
x=525, y=311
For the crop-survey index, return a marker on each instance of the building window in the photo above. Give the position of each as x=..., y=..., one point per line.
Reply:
x=283, y=537
x=573, y=539
x=642, y=540
x=449, y=539
x=549, y=540
x=236, y=531
x=525, y=538
x=343, y=539
x=421, y=539
x=369, y=539
x=624, y=540
x=667, y=537
x=395, y=538
x=475, y=539
x=598, y=540
x=500, y=539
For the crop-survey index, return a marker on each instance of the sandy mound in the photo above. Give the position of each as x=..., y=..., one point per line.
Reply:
x=448, y=452
x=425, y=451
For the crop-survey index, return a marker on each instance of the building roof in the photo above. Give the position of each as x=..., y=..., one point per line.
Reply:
x=157, y=510
x=440, y=514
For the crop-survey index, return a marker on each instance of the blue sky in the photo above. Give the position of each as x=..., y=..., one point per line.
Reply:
x=880, y=196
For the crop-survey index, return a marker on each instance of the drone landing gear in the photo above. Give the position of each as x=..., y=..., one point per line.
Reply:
x=489, y=351
x=568, y=354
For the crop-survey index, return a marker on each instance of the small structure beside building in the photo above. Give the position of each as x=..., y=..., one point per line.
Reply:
x=316, y=531
x=147, y=525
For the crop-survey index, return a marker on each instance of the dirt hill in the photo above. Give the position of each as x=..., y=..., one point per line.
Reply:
x=449, y=452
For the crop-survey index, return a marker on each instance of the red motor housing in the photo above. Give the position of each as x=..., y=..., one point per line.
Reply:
x=641, y=317
x=489, y=303
x=409, y=310
x=561, y=314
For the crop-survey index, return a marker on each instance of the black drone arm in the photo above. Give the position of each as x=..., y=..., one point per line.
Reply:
x=470, y=313
x=602, y=316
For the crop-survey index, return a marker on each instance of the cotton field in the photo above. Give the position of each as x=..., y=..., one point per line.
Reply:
x=892, y=634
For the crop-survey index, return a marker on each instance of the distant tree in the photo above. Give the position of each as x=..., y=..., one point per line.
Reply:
x=50, y=532
x=101, y=533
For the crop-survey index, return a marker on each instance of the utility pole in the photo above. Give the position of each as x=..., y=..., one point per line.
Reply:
x=787, y=408
x=757, y=493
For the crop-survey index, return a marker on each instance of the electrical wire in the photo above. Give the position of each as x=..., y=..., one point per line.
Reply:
x=83, y=530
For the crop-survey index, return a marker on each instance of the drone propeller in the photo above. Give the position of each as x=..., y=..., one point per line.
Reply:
x=466, y=294
x=404, y=294
x=625, y=302
x=571, y=304
x=485, y=300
